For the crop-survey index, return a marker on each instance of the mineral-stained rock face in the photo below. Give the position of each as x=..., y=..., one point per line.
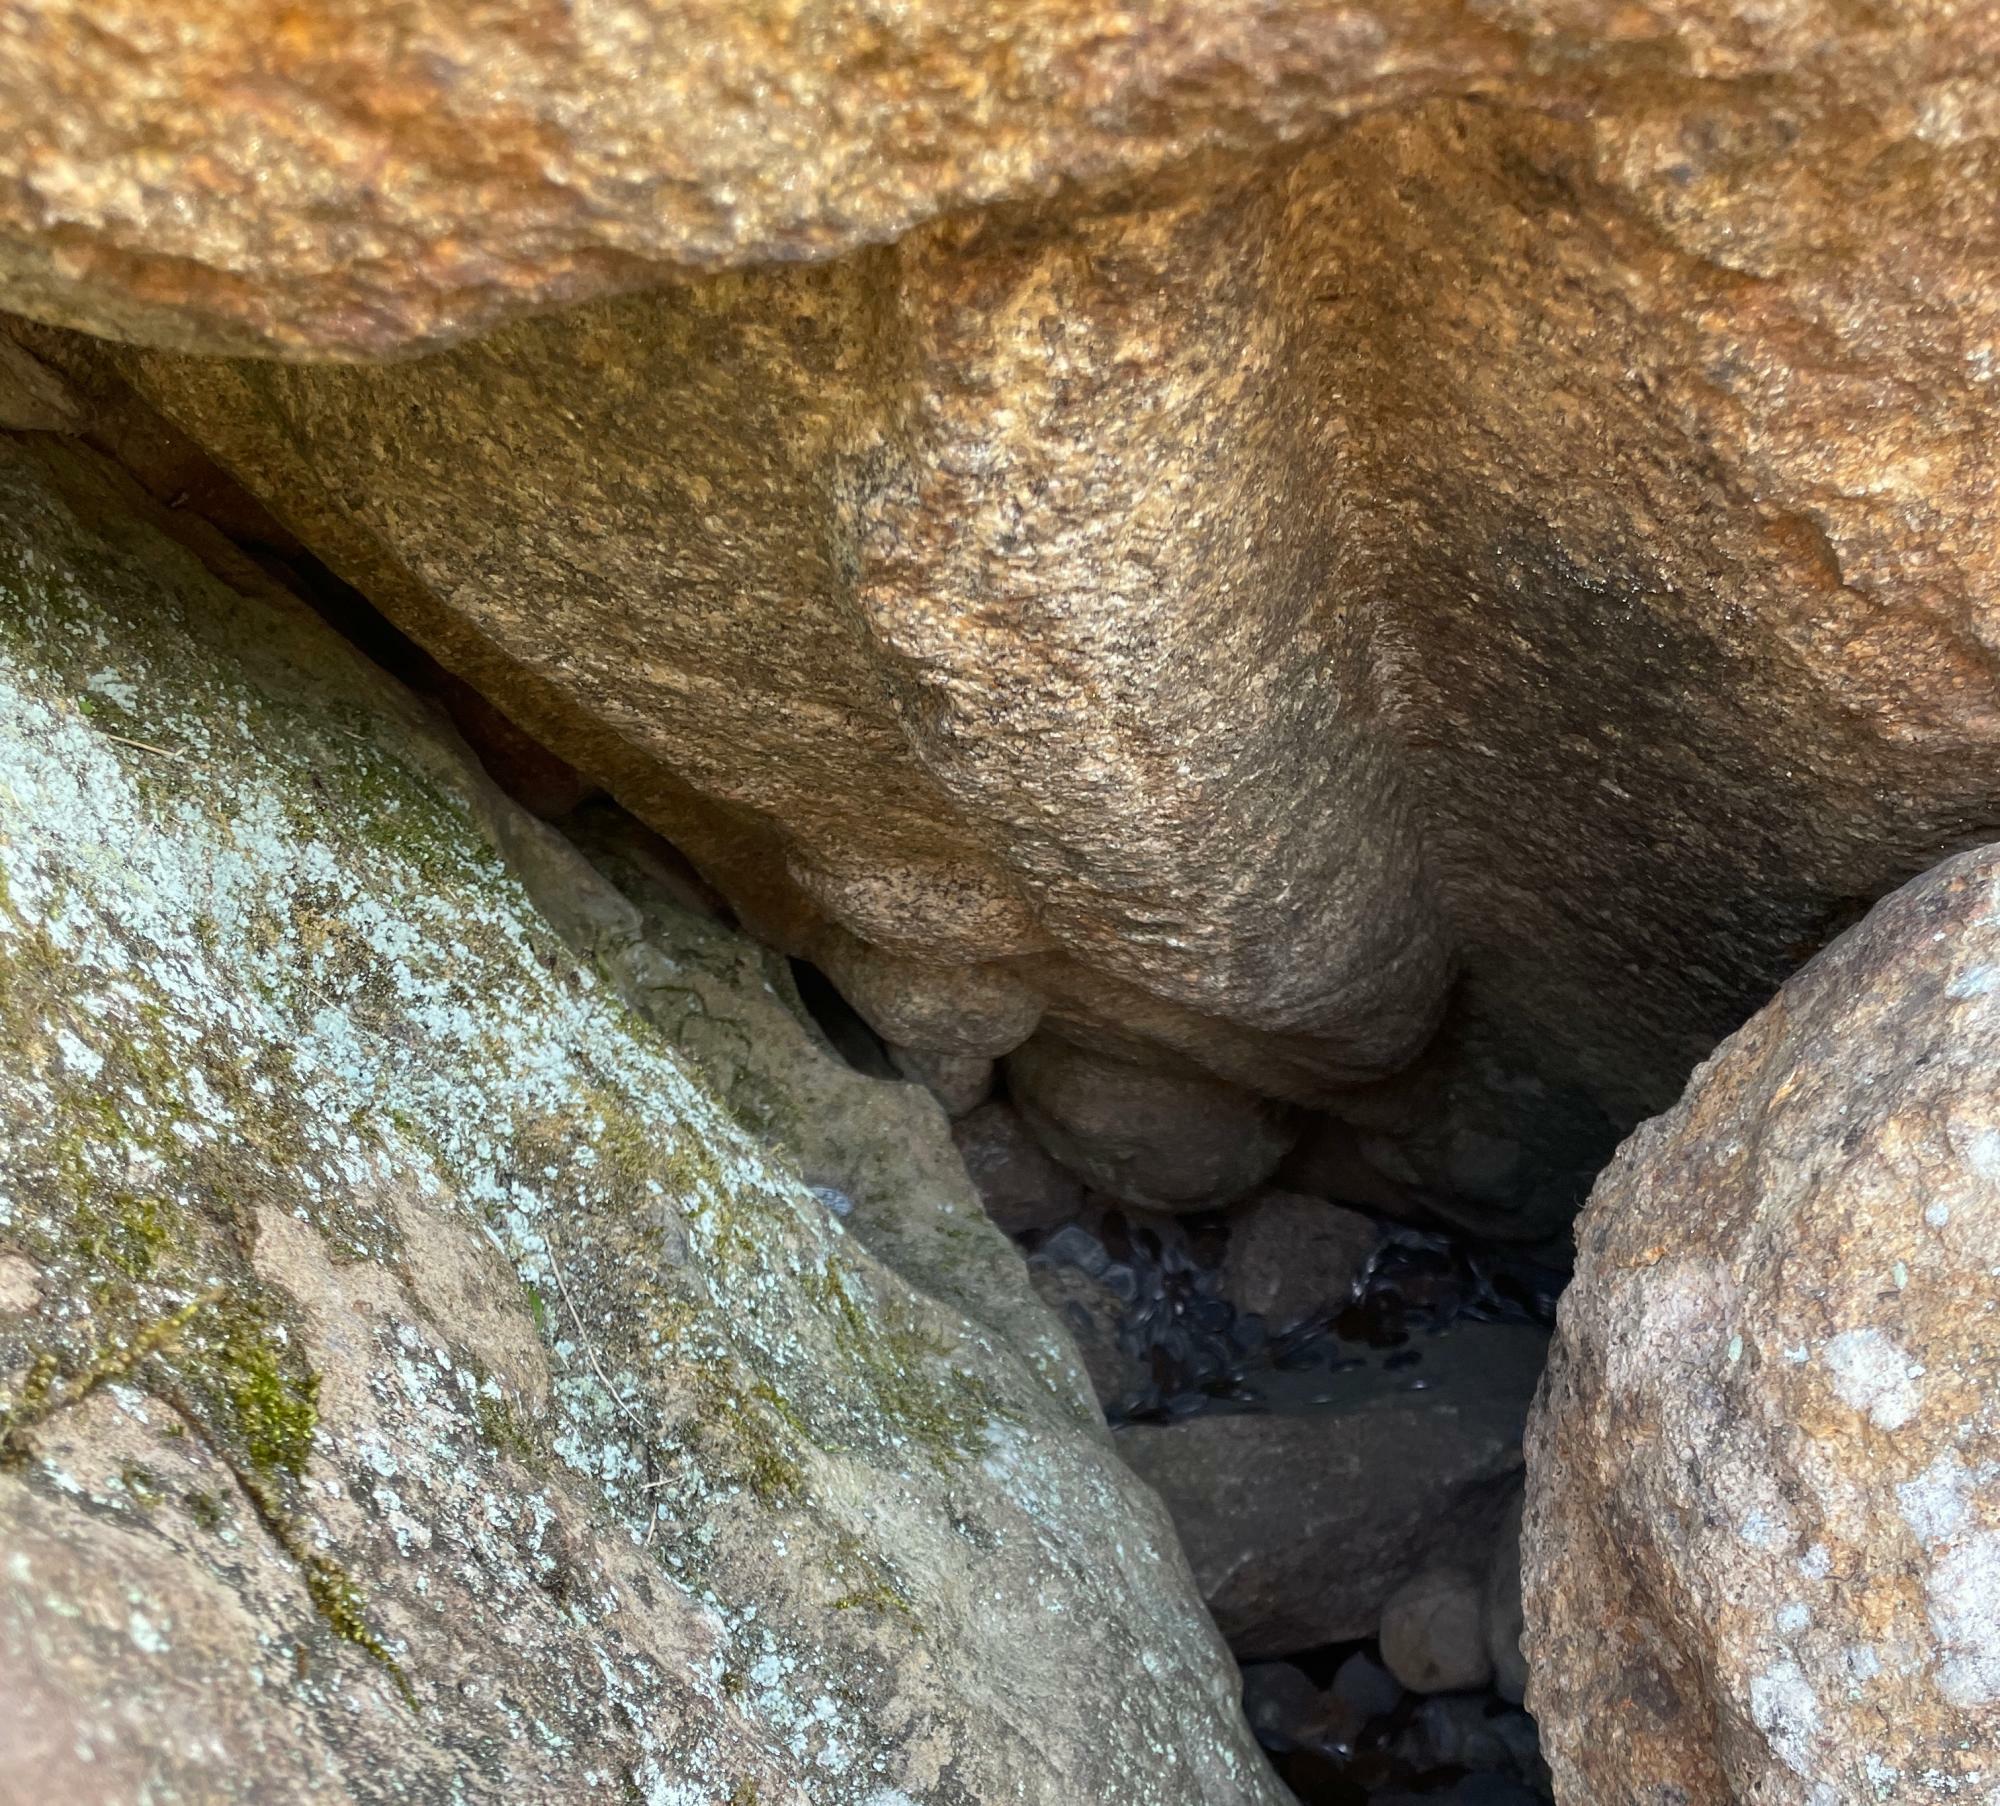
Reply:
x=1524, y=565
x=425, y=1368
x=1763, y=1539
x=1284, y=527
x=367, y=178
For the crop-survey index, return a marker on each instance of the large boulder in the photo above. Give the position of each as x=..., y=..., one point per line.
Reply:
x=366, y=180
x=1131, y=597
x=1146, y=620
x=1763, y=1537
x=461, y=1334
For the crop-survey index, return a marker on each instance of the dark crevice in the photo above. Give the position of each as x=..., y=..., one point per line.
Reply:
x=840, y=1022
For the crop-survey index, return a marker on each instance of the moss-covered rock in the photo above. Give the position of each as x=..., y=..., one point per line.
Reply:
x=432, y=1363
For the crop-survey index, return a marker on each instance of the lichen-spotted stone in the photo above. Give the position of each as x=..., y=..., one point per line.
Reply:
x=1762, y=1559
x=429, y=1372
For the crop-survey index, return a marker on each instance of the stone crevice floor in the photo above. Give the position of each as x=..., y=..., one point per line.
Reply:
x=1411, y=1332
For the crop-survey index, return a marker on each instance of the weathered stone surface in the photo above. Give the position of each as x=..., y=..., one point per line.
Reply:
x=1158, y=1140
x=1155, y=601
x=1290, y=1257
x=959, y=1082
x=975, y=1011
x=1763, y=1534
x=33, y=397
x=1021, y=1186
x=425, y=1370
x=1302, y=1520
x=339, y=188
x=911, y=596
x=1434, y=1633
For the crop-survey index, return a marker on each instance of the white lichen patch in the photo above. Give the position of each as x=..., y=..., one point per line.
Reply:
x=1784, y=1707
x=290, y=1038
x=1962, y=1592
x=1937, y=1504
x=1873, y=1375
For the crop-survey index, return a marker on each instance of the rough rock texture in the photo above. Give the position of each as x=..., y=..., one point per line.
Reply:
x=1138, y=589
x=33, y=397
x=959, y=1082
x=1763, y=1535
x=1020, y=1185
x=1157, y=1140
x=1151, y=613
x=426, y=1370
x=1434, y=1634
x=339, y=187
x=1302, y=1520
x=1291, y=1257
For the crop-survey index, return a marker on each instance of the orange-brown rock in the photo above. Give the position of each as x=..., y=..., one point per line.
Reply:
x=1285, y=528
x=1763, y=1537
x=356, y=177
